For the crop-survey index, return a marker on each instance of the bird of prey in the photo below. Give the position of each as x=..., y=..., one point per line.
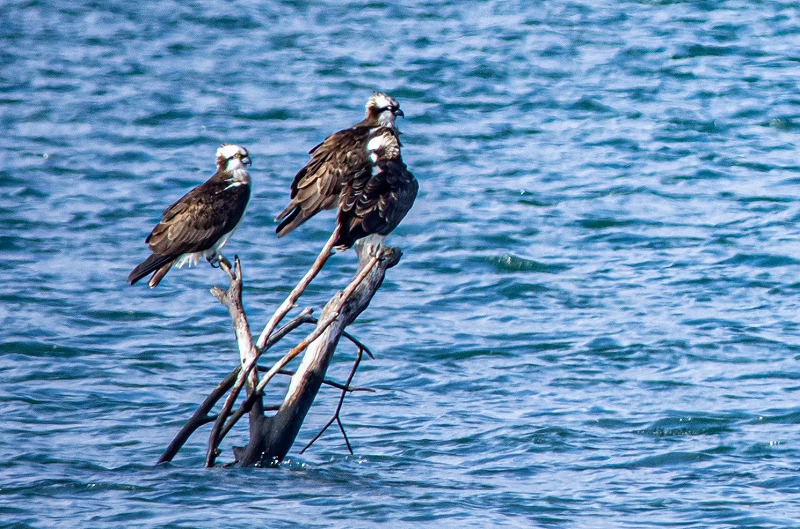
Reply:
x=200, y=223
x=334, y=163
x=373, y=204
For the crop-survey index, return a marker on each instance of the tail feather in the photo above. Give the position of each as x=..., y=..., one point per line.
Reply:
x=288, y=209
x=295, y=218
x=158, y=263
x=159, y=275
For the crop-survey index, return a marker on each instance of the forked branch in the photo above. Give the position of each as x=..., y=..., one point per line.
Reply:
x=271, y=437
x=345, y=389
x=281, y=430
x=298, y=290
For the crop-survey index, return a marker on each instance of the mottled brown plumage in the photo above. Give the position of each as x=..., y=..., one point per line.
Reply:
x=339, y=159
x=199, y=224
x=376, y=200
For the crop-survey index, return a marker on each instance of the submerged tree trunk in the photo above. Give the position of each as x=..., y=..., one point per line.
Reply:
x=271, y=437
x=279, y=432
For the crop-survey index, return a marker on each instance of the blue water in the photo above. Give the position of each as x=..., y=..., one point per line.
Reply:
x=595, y=321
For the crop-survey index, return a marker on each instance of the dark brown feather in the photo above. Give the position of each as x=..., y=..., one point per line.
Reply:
x=194, y=223
x=340, y=158
x=159, y=275
x=149, y=265
x=200, y=218
x=377, y=201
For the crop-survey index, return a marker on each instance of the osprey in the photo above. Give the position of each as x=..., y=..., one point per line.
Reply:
x=201, y=222
x=334, y=163
x=373, y=204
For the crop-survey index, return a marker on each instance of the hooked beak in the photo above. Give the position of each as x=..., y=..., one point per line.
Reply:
x=400, y=113
x=246, y=160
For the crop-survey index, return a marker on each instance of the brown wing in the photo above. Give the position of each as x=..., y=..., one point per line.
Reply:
x=199, y=219
x=335, y=162
x=376, y=204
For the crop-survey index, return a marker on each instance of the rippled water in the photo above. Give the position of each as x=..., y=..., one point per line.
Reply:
x=595, y=322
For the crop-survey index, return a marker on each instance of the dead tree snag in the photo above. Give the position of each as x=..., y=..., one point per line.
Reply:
x=271, y=436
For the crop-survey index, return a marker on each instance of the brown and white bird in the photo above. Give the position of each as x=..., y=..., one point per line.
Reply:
x=334, y=163
x=201, y=222
x=373, y=204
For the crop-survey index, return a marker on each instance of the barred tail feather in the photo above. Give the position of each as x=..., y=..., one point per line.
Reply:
x=295, y=218
x=288, y=209
x=159, y=263
x=159, y=275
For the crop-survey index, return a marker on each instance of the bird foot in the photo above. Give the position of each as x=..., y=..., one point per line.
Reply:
x=224, y=264
x=375, y=250
x=218, y=259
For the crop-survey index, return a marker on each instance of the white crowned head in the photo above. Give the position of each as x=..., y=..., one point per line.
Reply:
x=384, y=109
x=231, y=157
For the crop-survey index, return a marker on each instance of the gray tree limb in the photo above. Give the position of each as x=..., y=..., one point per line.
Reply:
x=271, y=437
x=279, y=432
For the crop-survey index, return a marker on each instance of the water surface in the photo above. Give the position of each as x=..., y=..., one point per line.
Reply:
x=594, y=323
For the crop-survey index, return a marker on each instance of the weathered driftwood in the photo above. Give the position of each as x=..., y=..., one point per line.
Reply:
x=279, y=432
x=232, y=299
x=201, y=415
x=271, y=437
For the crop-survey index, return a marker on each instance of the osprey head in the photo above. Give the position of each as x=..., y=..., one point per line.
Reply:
x=383, y=145
x=231, y=157
x=383, y=109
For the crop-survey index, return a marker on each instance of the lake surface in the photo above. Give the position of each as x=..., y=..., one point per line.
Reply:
x=595, y=322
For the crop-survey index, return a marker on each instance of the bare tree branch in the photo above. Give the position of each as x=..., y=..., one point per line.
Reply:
x=220, y=429
x=248, y=354
x=335, y=417
x=359, y=345
x=232, y=300
x=326, y=382
x=200, y=416
x=280, y=431
x=322, y=324
x=271, y=437
x=298, y=290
